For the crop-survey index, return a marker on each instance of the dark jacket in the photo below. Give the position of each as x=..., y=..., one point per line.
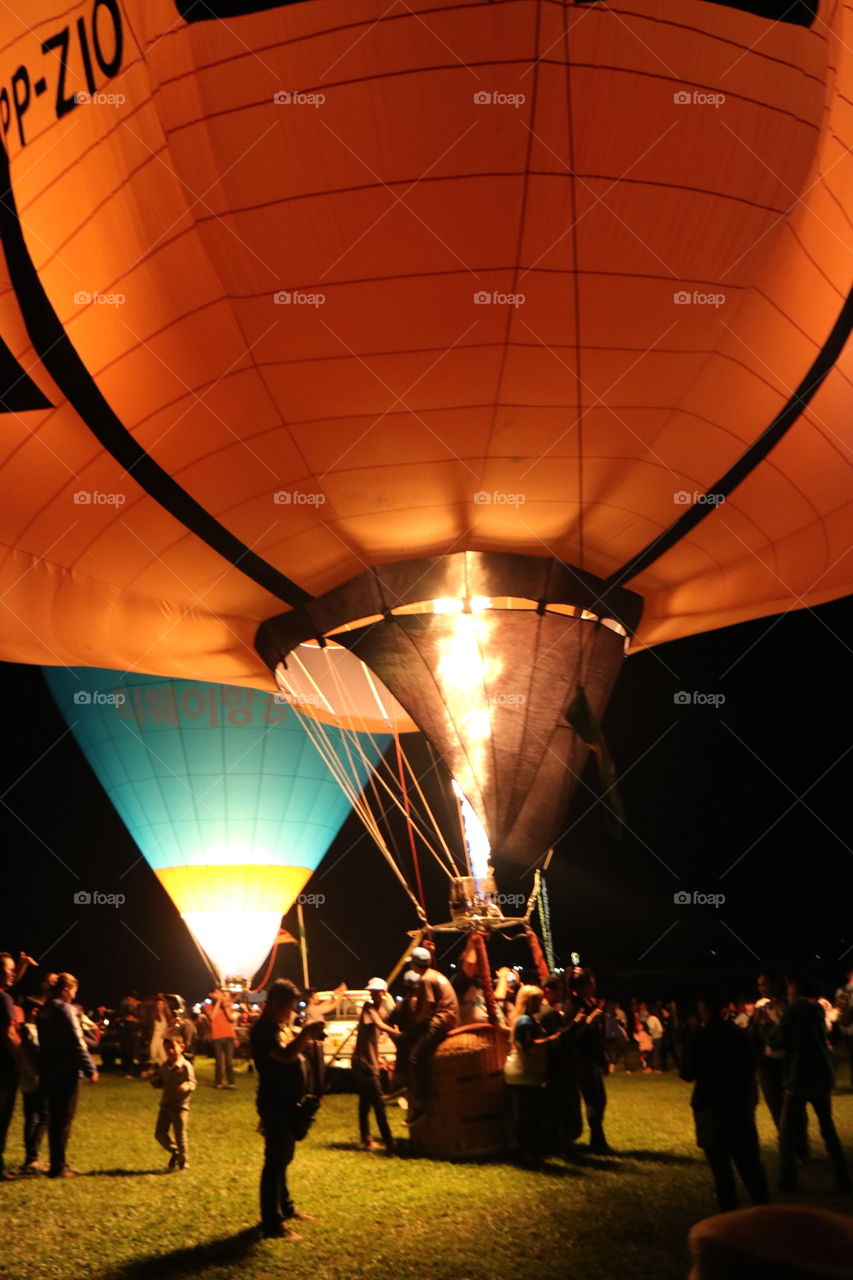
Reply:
x=802, y=1034
x=719, y=1058
x=61, y=1043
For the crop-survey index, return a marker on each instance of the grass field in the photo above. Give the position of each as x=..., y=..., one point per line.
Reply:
x=595, y=1219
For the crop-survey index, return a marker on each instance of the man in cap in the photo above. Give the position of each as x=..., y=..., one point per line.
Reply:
x=436, y=1013
x=366, y=1065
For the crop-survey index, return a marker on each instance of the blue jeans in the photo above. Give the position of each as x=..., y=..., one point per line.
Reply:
x=223, y=1050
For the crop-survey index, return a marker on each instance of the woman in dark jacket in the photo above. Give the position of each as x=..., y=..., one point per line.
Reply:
x=64, y=1058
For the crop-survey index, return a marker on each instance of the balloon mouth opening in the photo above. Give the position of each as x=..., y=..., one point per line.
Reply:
x=471, y=605
x=466, y=583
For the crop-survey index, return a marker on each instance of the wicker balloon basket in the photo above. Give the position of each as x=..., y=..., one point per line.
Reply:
x=468, y=1114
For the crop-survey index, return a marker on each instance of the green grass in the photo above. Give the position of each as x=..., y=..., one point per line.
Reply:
x=595, y=1219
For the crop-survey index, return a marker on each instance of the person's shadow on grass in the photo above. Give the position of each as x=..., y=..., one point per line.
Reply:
x=192, y=1260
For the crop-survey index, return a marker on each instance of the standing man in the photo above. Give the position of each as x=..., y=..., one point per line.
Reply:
x=769, y=1009
x=366, y=1065
x=809, y=1076
x=718, y=1057
x=436, y=1013
x=562, y=1103
x=10, y=1043
x=586, y=1036
x=64, y=1057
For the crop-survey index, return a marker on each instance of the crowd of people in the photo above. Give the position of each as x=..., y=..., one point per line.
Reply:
x=563, y=1041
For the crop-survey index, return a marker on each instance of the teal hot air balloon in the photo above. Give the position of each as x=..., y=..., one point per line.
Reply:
x=223, y=791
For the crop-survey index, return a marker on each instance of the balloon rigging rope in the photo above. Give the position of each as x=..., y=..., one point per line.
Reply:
x=317, y=733
x=321, y=739
x=374, y=770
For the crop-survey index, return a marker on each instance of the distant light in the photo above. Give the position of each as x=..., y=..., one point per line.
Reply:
x=713, y=953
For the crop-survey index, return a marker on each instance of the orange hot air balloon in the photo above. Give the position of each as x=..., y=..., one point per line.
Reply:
x=295, y=291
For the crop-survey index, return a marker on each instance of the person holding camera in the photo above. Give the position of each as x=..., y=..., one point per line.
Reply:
x=222, y=1019
x=366, y=1066
x=277, y=1048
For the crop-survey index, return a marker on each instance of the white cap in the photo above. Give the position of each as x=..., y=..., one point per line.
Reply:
x=420, y=955
x=377, y=984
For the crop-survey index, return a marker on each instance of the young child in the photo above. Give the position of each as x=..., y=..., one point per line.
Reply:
x=177, y=1079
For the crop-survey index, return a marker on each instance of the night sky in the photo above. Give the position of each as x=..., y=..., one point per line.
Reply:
x=748, y=798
